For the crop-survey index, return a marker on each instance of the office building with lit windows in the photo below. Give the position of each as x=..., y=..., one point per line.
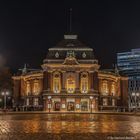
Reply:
x=70, y=81
x=129, y=65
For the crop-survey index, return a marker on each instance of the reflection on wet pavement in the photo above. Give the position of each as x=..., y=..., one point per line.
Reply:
x=68, y=126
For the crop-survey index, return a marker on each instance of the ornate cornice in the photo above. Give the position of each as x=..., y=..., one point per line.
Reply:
x=73, y=49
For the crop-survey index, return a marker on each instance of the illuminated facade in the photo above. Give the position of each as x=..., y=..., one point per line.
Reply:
x=70, y=81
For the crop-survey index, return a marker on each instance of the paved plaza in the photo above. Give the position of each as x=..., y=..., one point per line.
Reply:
x=69, y=127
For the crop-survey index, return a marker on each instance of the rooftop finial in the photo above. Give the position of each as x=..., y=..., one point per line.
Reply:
x=70, y=19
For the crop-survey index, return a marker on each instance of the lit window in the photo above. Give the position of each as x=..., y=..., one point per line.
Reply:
x=56, y=83
x=84, y=106
x=105, y=102
x=84, y=82
x=70, y=84
x=57, y=55
x=105, y=89
x=36, y=102
x=28, y=88
x=36, y=87
x=27, y=102
x=113, y=102
x=84, y=55
x=113, y=89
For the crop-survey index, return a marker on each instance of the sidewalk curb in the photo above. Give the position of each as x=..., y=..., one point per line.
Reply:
x=47, y=113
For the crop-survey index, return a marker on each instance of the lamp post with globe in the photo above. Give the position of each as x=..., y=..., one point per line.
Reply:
x=91, y=99
x=136, y=98
x=5, y=94
x=0, y=102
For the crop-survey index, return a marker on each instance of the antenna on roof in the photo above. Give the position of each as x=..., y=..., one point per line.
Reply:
x=70, y=24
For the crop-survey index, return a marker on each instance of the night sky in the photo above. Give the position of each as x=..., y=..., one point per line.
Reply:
x=29, y=28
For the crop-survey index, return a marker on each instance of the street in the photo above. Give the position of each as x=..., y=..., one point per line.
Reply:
x=68, y=127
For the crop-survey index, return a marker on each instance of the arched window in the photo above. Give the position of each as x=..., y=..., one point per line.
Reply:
x=113, y=89
x=105, y=89
x=28, y=88
x=70, y=84
x=84, y=82
x=56, y=82
x=36, y=87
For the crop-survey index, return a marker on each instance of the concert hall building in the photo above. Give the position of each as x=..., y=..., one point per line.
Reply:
x=70, y=81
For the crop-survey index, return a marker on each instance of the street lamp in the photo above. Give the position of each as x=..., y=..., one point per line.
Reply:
x=0, y=102
x=49, y=104
x=96, y=103
x=136, y=95
x=91, y=98
x=6, y=93
x=137, y=103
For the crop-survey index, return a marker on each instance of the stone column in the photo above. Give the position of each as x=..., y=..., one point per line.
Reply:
x=17, y=92
x=95, y=81
x=96, y=103
x=32, y=87
x=109, y=83
x=63, y=80
x=23, y=88
x=44, y=104
x=77, y=81
x=124, y=92
x=49, y=83
x=91, y=81
x=45, y=80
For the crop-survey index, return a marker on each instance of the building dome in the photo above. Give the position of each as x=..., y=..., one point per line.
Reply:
x=68, y=44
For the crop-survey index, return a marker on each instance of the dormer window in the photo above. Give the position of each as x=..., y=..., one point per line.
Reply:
x=70, y=45
x=57, y=55
x=84, y=55
x=70, y=54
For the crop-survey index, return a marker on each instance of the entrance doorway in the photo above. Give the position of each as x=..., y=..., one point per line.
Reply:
x=70, y=106
x=84, y=106
x=57, y=106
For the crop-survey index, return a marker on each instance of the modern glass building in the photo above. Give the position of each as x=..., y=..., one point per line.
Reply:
x=129, y=65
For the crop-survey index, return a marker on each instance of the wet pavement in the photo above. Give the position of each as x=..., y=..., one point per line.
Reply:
x=69, y=127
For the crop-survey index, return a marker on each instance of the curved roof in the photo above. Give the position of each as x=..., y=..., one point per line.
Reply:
x=70, y=44
x=70, y=41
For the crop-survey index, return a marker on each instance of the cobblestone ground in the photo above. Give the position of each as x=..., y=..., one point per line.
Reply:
x=69, y=127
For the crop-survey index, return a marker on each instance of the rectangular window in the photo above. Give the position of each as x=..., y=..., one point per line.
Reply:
x=84, y=106
x=36, y=88
x=113, y=102
x=105, y=102
x=28, y=88
x=36, y=102
x=113, y=88
x=27, y=102
x=105, y=89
